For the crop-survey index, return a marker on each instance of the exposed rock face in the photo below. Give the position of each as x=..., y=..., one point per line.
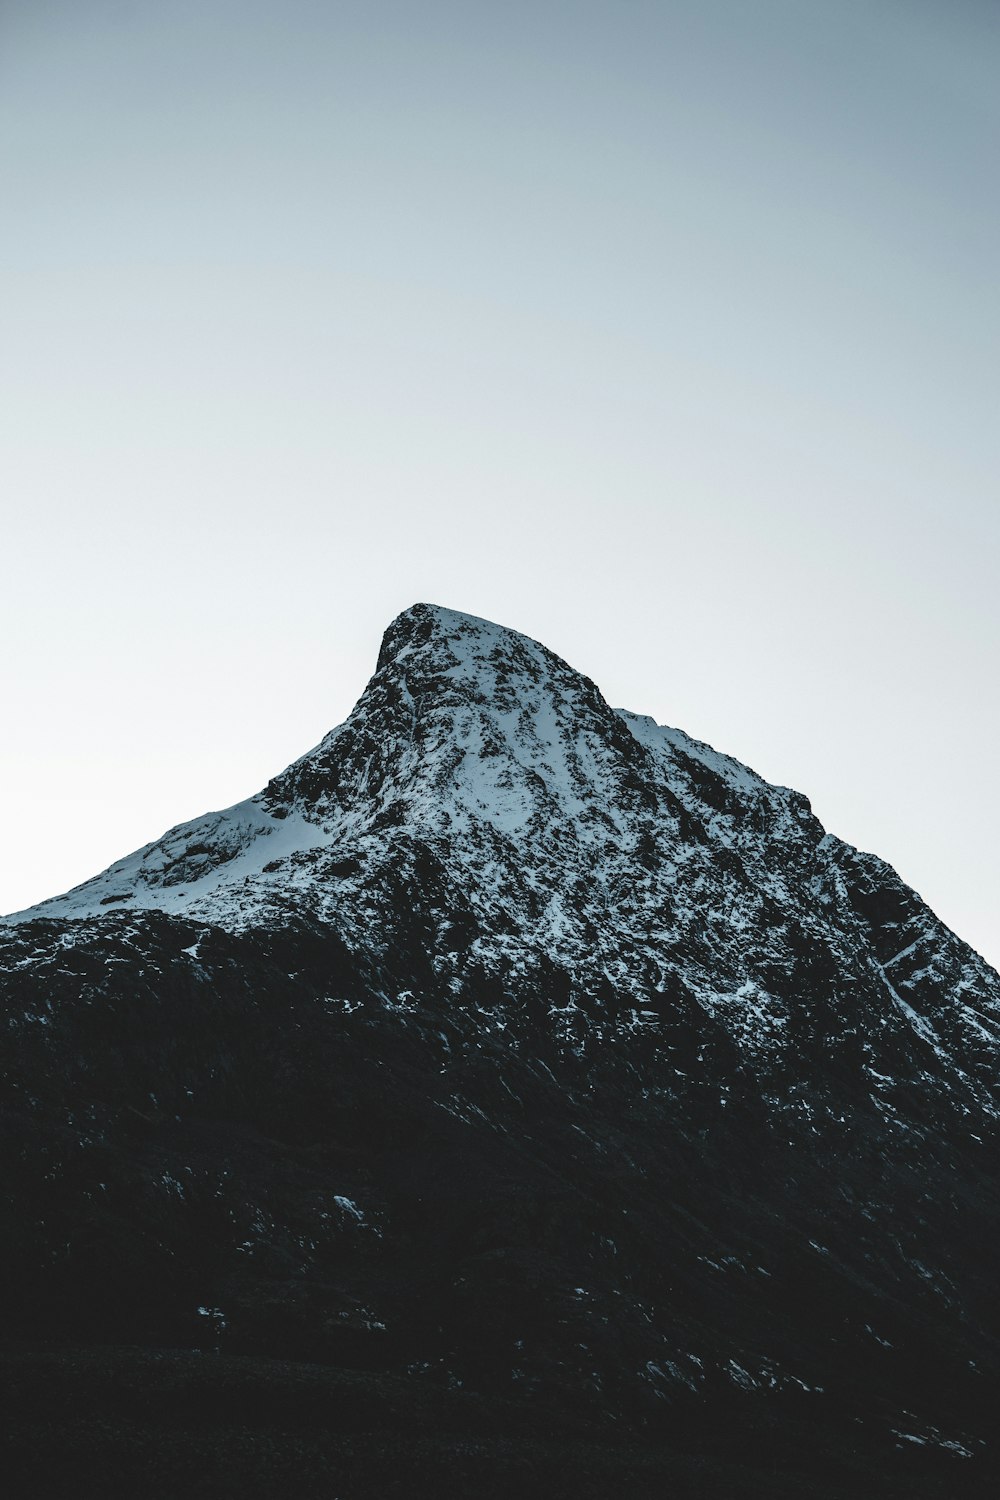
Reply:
x=512, y=1046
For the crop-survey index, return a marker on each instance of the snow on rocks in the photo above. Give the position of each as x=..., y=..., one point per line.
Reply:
x=486, y=786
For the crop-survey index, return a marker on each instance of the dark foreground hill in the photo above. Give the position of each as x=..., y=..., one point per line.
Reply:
x=516, y=1097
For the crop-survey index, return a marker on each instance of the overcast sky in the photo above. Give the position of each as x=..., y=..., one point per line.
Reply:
x=666, y=332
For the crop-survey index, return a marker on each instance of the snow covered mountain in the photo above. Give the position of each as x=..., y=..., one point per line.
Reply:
x=518, y=1045
x=537, y=825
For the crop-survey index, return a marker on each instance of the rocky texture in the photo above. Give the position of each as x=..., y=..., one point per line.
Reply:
x=539, y=1076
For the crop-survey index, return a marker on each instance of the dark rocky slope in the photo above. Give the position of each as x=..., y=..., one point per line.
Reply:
x=516, y=1095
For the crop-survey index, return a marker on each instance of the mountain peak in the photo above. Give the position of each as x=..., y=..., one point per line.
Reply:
x=423, y=623
x=491, y=782
x=460, y=643
x=519, y=1046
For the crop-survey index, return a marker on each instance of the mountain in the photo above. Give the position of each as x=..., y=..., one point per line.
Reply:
x=515, y=1094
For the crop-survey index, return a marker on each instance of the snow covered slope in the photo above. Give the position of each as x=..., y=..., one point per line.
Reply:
x=483, y=783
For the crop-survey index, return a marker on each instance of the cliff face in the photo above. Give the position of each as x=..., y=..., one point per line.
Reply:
x=519, y=1050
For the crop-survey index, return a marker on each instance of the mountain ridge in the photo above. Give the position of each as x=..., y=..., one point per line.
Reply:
x=486, y=751
x=511, y=1049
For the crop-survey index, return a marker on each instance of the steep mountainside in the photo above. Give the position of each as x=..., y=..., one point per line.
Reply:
x=532, y=1078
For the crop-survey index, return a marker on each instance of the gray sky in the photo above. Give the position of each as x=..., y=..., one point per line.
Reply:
x=664, y=332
